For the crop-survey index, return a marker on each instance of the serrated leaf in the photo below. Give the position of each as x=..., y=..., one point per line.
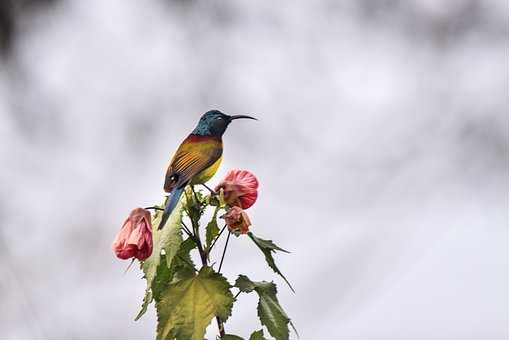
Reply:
x=270, y=312
x=244, y=284
x=147, y=300
x=167, y=239
x=195, y=203
x=231, y=337
x=182, y=266
x=187, y=306
x=258, y=335
x=212, y=229
x=268, y=247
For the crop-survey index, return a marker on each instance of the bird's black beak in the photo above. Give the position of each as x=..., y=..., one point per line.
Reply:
x=241, y=117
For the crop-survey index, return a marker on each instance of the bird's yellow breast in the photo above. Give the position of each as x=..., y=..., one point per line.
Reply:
x=208, y=173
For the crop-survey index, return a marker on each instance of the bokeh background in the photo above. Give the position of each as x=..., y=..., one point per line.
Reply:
x=382, y=150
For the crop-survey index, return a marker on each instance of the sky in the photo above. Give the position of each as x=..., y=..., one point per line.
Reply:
x=381, y=149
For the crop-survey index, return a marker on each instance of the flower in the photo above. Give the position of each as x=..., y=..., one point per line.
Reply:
x=135, y=236
x=237, y=220
x=240, y=188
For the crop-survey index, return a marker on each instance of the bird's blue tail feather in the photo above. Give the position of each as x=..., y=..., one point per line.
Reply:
x=170, y=206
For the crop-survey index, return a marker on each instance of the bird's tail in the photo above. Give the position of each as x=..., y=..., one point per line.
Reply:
x=170, y=206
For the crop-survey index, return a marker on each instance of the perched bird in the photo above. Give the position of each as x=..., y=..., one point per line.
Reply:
x=197, y=158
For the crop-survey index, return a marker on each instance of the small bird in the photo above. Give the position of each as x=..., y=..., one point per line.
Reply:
x=197, y=158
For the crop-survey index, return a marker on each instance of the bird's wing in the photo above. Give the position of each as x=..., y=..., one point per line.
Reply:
x=194, y=155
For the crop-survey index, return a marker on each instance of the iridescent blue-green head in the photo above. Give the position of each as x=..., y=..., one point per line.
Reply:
x=214, y=123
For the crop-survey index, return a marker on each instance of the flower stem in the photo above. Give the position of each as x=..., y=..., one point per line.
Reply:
x=217, y=238
x=186, y=229
x=154, y=208
x=203, y=256
x=212, y=192
x=224, y=251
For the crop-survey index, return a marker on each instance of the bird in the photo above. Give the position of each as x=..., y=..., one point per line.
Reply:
x=198, y=157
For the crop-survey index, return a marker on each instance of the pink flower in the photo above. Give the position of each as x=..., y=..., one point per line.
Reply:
x=240, y=188
x=135, y=236
x=237, y=220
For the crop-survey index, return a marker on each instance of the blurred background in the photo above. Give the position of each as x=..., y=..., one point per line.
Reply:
x=382, y=150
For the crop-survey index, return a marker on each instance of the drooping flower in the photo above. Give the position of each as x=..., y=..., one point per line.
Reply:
x=240, y=188
x=135, y=236
x=237, y=220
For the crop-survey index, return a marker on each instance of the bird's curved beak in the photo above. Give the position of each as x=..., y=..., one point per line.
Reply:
x=241, y=117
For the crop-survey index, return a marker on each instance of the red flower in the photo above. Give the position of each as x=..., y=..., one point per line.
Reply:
x=237, y=220
x=240, y=188
x=135, y=236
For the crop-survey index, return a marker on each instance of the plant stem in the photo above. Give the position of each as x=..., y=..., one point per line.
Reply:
x=203, y=257
x=186, y=229
x=224, y=251
x=212, y=192
x=215, y=240
x=154, y=208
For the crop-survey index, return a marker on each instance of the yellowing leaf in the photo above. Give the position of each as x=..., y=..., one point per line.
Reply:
x=187, y=306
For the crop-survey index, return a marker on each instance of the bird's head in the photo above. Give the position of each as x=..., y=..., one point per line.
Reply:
x=214, y=123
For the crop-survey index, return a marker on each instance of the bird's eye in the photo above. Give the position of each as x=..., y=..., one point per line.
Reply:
x=219, y=118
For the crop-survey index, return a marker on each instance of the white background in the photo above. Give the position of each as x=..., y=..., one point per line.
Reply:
x=382, y=151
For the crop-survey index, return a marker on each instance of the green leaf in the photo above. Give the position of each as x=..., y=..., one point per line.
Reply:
x=270, y=312
x=212, y=229
x=268, y=247
x=244, y=284
x=231, y=337
x=167, y=241
x=195, y=203
x=146, y=302
x=258, y=335
x=187, y=306
x=182, y=266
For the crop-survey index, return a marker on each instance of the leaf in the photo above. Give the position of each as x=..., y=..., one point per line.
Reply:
x=258, y=335
x=270, y=312
x=166, y=240
x=146, y=302
x=182, y=266
x=187, y=306
x=212, y=229
x=268, y=247
x=245, y=284
x=195, y=203
x=231, y=337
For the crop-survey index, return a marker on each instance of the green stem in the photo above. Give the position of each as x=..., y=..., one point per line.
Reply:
x=203, y=256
